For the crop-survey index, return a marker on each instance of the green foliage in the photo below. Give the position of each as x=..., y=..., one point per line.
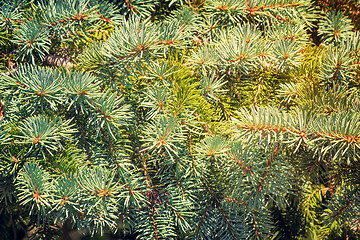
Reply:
x=216, y=119
x=32, y=40
x=334, y=27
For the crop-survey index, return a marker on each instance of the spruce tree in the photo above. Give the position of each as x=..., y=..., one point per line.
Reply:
x=174, y=119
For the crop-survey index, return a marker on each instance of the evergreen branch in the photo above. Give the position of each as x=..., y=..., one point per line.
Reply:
x=280, y=18
x=172, y=208
x=254, y=222
x=337, y=68
x=153, y=222
x=194, y=167
x=279, y=5
x=308, y=199
x=226, y=220
x=246, y=169
x=178, y=183
x=10, y=19
x=130, y=6
x=77, y=17
x=139, y=49
x=106, y=20
x=235, y=201
x=270, y=161
x=273, y=128
x=146, y=174
x=343, y=207
x=84, y=142
x=204, y=215
x=111, y=147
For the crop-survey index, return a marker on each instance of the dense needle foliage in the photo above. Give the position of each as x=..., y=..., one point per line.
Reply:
x=179, y=119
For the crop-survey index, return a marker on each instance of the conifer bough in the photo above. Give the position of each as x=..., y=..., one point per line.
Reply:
x=214, y=119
